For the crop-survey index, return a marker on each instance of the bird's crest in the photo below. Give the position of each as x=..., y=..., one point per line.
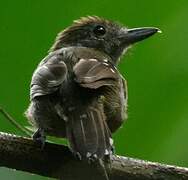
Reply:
x=76, y=25
x=90, y=19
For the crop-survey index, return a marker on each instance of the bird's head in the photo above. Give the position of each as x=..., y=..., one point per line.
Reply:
x=101, y=34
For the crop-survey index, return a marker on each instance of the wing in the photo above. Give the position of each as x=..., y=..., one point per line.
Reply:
x=48, y=76
x=92, y=73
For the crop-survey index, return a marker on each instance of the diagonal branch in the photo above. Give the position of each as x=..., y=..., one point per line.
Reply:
x=58, y=162
x=7, y=116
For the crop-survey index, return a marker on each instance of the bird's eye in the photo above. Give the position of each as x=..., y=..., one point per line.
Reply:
x=99, y=30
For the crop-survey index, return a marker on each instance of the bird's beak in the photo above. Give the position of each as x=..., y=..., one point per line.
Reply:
x=138, y=34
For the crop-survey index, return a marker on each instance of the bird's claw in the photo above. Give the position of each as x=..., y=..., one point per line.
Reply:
x=39, y=137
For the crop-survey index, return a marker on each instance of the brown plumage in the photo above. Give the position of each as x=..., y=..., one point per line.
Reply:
x=77, y=91
x=77, y=24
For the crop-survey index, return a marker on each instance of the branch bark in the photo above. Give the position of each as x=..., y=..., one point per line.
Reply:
x=58, y=162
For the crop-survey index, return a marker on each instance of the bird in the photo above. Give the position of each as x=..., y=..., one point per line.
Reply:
x=77, y=92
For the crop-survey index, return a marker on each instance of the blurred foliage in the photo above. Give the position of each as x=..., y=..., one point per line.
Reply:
x=156, y=69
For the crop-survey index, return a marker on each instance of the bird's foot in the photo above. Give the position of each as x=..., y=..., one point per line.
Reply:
x=39, y=137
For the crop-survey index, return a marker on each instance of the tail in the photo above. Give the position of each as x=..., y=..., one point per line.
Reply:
x=88, y=133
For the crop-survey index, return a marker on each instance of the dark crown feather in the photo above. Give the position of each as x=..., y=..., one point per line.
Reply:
x=76, y=25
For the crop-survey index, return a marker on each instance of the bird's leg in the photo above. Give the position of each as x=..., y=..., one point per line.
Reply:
x=39, y=137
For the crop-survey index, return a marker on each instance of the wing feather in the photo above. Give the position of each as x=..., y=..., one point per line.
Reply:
x=48, y=76
x=92, y=73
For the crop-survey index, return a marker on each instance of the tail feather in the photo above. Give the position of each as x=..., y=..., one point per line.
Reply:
x=103, y=133
x=100, y=131
x=89, y=134
x=90, y=129
x=108, y=136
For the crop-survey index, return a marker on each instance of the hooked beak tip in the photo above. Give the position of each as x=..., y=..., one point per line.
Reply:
x=159, y=31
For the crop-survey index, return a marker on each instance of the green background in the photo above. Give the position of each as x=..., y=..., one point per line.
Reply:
x=156, y=70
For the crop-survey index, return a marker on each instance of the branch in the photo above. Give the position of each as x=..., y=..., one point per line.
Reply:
x=58, y=162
